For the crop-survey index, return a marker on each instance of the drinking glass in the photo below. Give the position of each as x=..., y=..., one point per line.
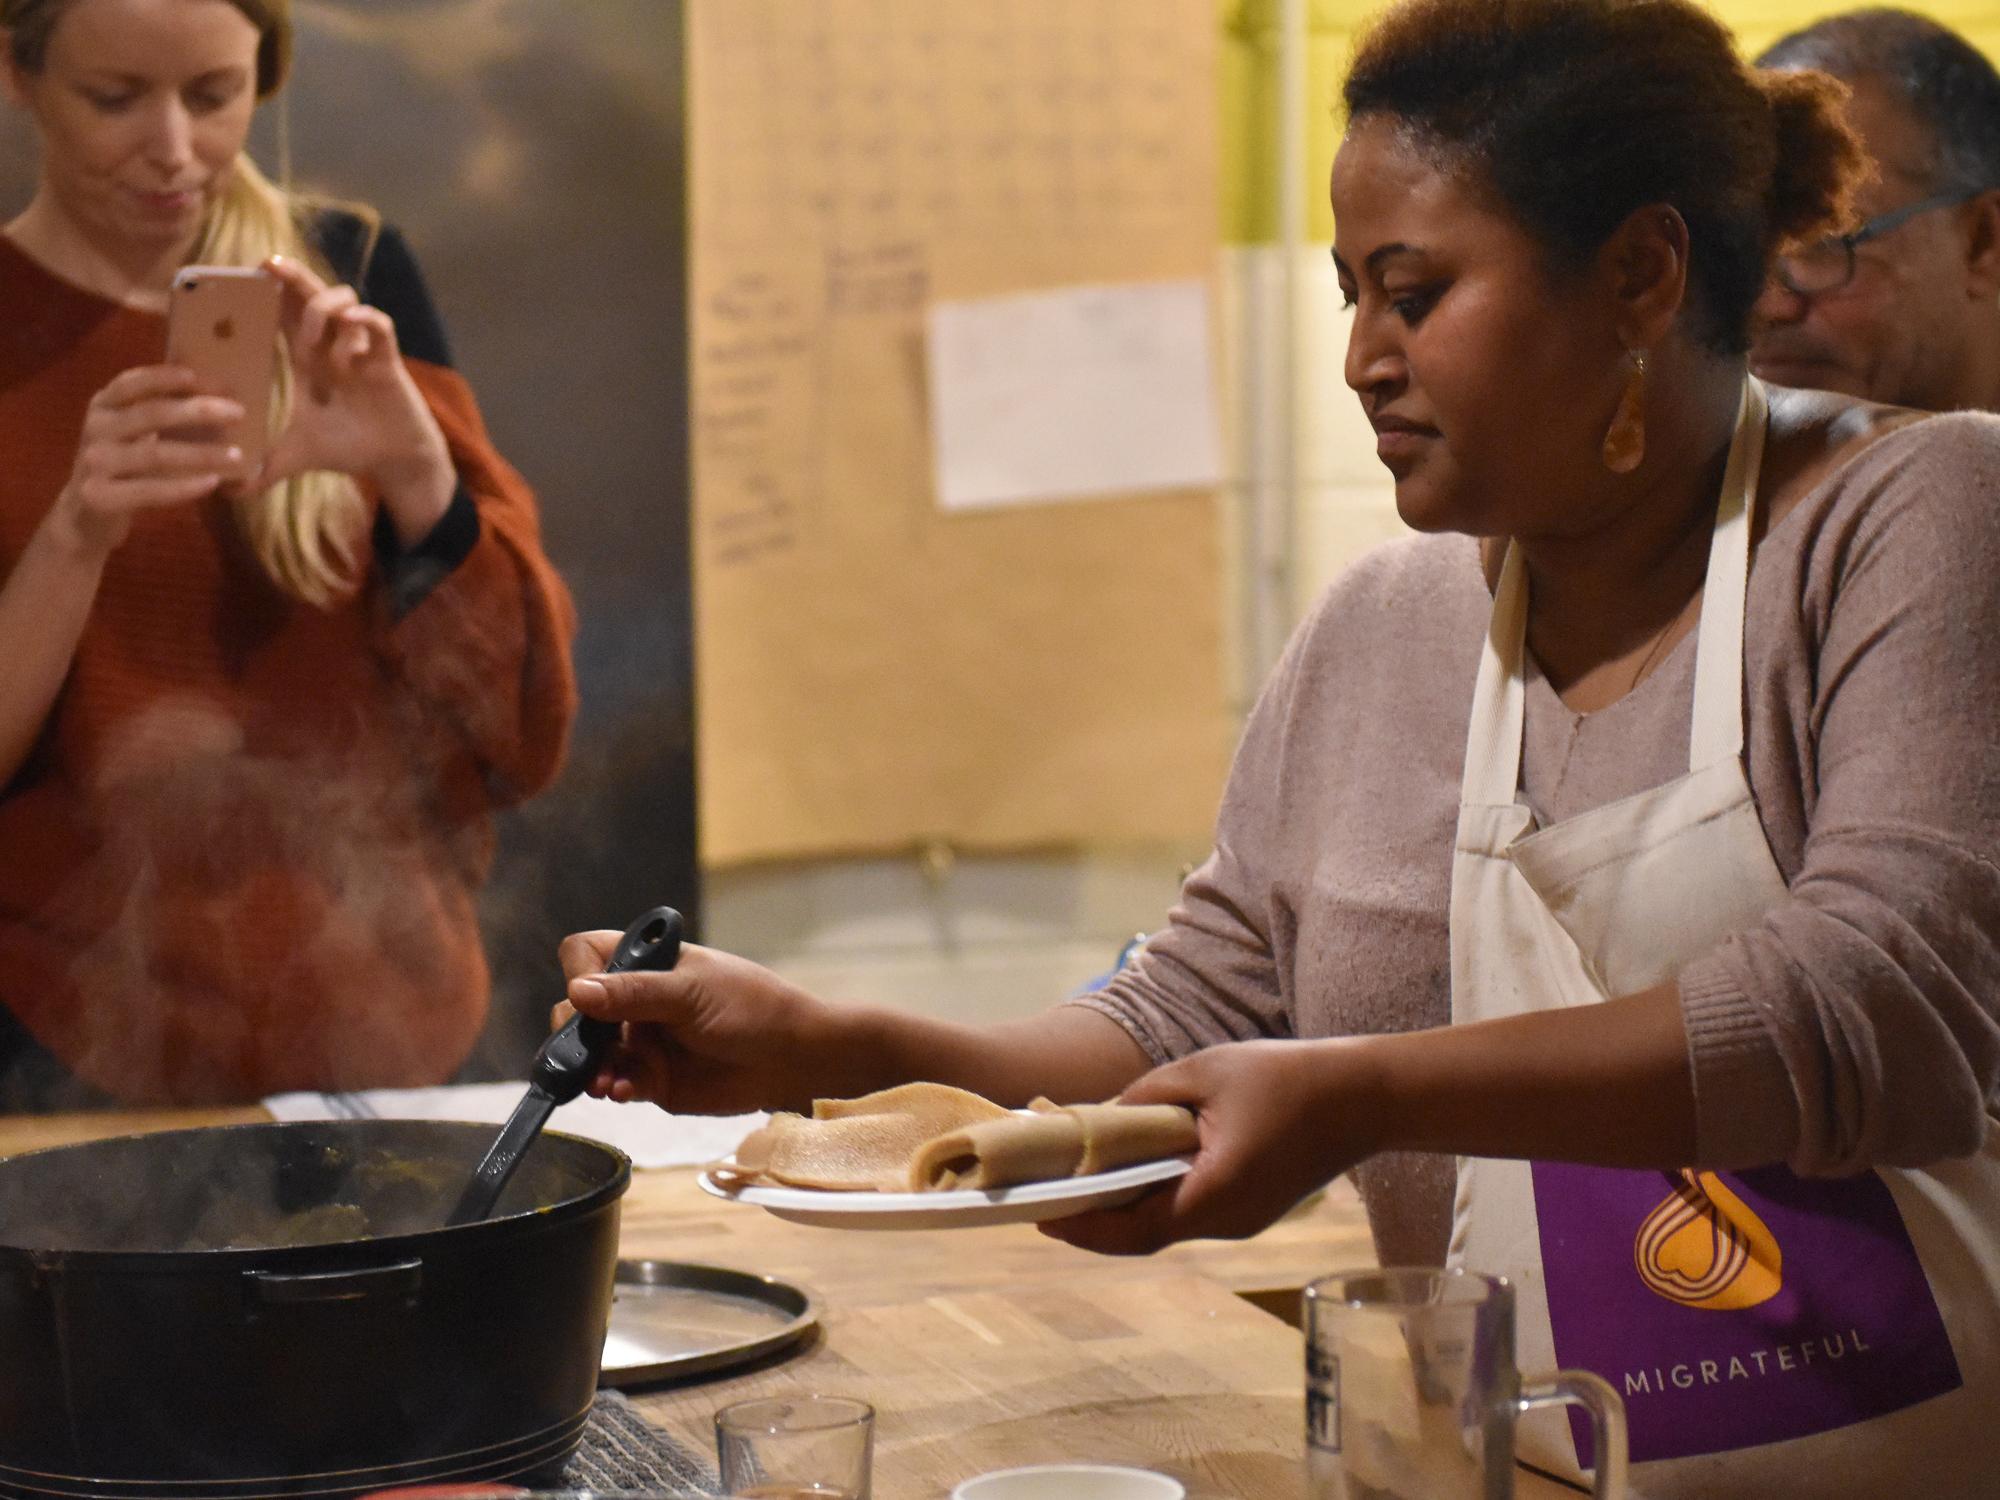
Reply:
x=796, y=1448
x=1412, y=1392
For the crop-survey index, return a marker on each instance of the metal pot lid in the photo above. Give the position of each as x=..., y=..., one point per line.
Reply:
x=673, y=1319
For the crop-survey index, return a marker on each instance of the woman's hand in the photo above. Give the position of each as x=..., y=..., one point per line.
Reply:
x=715, y=1034
x=140, y=450
x=1277, y=1120
x=355, y=408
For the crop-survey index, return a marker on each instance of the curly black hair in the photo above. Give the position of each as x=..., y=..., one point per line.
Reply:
x=1576, y=112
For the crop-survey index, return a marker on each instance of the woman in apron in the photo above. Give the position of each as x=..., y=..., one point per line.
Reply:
x=1612, y=877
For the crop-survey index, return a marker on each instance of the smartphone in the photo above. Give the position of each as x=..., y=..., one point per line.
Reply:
x=222, y=323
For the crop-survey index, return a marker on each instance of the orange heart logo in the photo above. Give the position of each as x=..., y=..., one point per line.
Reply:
x=1703, y=1247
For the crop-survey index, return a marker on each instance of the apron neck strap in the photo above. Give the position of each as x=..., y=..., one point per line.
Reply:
x=1499, y=695
x=1499, y=699
x=1717, y=731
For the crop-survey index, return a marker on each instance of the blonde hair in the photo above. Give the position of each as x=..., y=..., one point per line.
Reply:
x=305, y=532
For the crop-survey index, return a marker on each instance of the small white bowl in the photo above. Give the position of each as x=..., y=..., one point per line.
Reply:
x=1071, y=1482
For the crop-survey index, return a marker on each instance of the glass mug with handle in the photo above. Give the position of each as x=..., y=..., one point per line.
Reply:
x=1412, y=1392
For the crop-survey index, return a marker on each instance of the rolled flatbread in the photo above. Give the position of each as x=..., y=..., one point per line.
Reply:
x=925, y=1137
x=1052, y=1142
x=1119, y=1135
x=999, y=1153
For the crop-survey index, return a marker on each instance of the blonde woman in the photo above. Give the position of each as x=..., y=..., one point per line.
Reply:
x=252, y=722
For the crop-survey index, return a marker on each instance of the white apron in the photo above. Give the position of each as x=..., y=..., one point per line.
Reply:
x=1772, y=1336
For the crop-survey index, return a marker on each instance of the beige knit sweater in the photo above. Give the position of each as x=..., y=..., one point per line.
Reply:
x=1858, y=1023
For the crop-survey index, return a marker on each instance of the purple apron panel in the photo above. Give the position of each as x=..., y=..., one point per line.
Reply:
x=1736, y=1309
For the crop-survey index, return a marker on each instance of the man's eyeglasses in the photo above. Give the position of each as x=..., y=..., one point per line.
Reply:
x=1828, y=265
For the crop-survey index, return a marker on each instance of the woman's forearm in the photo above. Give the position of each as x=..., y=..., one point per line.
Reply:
x=1069, y=1053
x=43, y=606
x=1607, y=1084
x=417, y=491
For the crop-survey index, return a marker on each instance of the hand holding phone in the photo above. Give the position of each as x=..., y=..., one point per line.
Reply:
x=356, y=409
x=222, y=323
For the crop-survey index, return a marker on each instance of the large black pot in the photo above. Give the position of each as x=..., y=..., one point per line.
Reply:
x=275, y=1310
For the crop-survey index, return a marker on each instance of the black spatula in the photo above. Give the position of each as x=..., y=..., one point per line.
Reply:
x=565, y=1063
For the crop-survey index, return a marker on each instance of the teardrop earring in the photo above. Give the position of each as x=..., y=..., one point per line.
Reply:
x=1625, y=439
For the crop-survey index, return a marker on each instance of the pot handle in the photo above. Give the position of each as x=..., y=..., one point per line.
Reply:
x=398, y=1279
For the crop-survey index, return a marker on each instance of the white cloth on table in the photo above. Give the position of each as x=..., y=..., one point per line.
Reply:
x=649, y=1135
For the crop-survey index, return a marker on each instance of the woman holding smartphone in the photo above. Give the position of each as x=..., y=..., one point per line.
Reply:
x=260, y=697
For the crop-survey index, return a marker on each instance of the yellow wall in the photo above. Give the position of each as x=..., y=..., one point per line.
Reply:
x=1249, y=82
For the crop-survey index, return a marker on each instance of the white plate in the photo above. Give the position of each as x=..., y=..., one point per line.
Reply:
x=955, y=1208
x=1071, y=1482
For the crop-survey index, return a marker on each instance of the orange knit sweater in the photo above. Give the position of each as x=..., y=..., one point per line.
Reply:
x=243, y=856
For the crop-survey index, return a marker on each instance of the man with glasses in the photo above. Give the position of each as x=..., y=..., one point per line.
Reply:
x=1904, y=308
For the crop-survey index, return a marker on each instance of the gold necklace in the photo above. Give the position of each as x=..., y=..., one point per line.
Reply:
x=1660, y=640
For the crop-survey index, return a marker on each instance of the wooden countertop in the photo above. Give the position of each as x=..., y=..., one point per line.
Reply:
x=989, y=1348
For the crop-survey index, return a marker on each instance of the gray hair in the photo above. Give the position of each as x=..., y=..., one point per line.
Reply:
x=1944, y=82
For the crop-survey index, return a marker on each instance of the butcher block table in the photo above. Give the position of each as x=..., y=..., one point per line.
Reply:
x=990, y=1348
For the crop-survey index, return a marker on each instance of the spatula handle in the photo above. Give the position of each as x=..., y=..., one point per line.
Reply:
x=564, y=1065
x=568, y=1059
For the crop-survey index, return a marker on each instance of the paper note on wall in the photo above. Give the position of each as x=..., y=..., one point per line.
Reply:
x=1071, y=393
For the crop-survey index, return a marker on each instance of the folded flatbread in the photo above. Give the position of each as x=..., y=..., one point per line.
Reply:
x=935, y=1104
x=1054, y=1141
x=855, y=1144
x=867, y=1151
x=923, y=1137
